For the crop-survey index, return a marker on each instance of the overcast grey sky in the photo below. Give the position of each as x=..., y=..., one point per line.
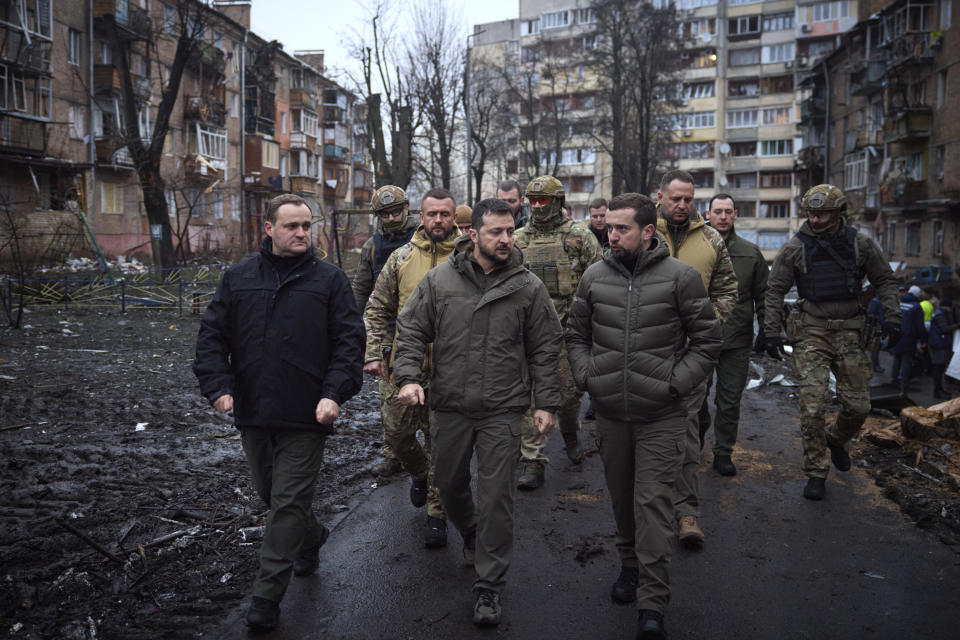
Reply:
x=324, y=24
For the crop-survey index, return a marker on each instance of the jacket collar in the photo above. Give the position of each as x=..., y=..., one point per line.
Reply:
x=423, y=242
x=463, y=259
x=656, y=252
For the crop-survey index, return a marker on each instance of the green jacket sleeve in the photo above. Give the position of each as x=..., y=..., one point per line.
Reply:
x=704, y=334
x=579, y=333
x=542, y=339
x=760, y=274
x=415, y=331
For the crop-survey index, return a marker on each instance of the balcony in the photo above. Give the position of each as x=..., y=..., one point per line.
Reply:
x=198, y=166
x=868, y=138
x=361, y=160
x=111, y=152
x=301, y=140
x=361, y=194
x=19, y=135
x=911, y=123
x=336, y=153
x=903, y=192
x=333, y=113
x=205, y=109
x=209, y=57
x=300, y=184
x=133, y=21
x=106, y=79
x=302, y=99
x=15, y=51
x=910, y=49
x=868, y=79
x=813, y=108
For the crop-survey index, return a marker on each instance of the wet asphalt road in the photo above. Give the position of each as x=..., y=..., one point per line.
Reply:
x=774, y=564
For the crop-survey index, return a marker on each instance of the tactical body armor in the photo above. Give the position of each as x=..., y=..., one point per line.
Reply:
x=546, y=257
x=383, y=246
x=831, y=267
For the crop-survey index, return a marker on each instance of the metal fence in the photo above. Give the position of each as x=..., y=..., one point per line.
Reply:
x=179, y=288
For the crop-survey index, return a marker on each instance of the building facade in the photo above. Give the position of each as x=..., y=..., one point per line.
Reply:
x=246, y=125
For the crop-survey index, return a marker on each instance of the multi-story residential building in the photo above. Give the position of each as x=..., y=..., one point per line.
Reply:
x=737, y=129
x=880, y=107
x=245, y=126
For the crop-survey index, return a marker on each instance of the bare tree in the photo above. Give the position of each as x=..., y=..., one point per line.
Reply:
x=385, y=88
x=126, y=40
x=491, y=132
x=638, y=57
x=435, y=60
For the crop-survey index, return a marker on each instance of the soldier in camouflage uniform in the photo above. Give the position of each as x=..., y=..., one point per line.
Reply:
x=690, y=240
x=405, y=268
x=827, y=260
x=558, y=252
x=395, y=227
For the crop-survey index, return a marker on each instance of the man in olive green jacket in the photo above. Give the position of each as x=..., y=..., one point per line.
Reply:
x=641, y=335
x=734, y=362
x=496, y=340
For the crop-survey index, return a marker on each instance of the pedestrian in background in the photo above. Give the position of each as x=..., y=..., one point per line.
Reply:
x=281, y=345
x=912, y=338
x=941, y=345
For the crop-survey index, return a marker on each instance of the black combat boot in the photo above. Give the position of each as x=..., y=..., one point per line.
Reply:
x=263, y=613
x=840, y=457
x=724, y=465
x=574, y=450
x=625, y=588
x=532, y=476
x=816, y=489
x=650, y=625
x=435, y=535
x=418, y=492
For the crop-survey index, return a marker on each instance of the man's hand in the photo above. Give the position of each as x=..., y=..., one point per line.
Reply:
x=759, y=345
x=891, y=331
x=327, y=411
x=411, y=394
x=773, y=345
x=376, y=368
x=544, y=421
x=224, y=403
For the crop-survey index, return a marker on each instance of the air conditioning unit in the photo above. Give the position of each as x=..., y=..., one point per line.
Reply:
x=804, y=61
x=788, y=64
x=806, y=28
x=687, y=133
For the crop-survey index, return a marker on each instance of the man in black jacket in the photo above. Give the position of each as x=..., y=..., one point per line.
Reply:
x=281, y=345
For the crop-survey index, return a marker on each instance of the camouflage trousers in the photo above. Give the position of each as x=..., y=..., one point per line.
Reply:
x=400, y=426
x=816, y=353
x=532, y=441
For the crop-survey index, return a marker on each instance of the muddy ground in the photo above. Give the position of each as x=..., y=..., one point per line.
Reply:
x=127, y=507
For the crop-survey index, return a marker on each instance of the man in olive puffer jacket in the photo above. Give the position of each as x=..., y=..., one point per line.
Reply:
x=641, y=335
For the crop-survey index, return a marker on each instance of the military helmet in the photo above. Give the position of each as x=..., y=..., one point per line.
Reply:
x=823, y=197
x=546, y=186
x=387, y=196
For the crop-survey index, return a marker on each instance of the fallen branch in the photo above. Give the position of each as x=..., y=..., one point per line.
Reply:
x=90, y=541
x=20, y=426
x=192, y=531
x=920, y=473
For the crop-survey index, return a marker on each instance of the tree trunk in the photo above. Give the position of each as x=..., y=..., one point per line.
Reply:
x=378, y=149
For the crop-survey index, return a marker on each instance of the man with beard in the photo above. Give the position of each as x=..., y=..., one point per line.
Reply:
x=405, y=268
x=558, y=252
x=510, y=192
x=496, y=340
x=827, y=259
x=734, y=361
x=280, y=346
x=642, y=334
x=395, y=228
x=690, y=240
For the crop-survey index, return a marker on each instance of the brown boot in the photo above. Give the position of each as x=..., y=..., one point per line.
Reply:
x=689, y=533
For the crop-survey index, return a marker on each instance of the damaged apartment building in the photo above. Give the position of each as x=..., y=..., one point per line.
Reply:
x=249, y=121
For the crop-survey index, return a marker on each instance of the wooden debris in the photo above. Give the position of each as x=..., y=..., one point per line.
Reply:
x=90, y=541
x=939, y=421
x=887, y=437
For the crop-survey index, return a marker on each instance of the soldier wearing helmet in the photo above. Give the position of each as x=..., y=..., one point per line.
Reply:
x=558, y=252
x=395, y=227
x=828, y=259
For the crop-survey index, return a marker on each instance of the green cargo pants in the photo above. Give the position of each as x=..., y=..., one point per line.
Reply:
x=686, y=497
x=731, y=374
x=284, y=465
x=641, y=461
x=532, y=442
x=495, y=439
